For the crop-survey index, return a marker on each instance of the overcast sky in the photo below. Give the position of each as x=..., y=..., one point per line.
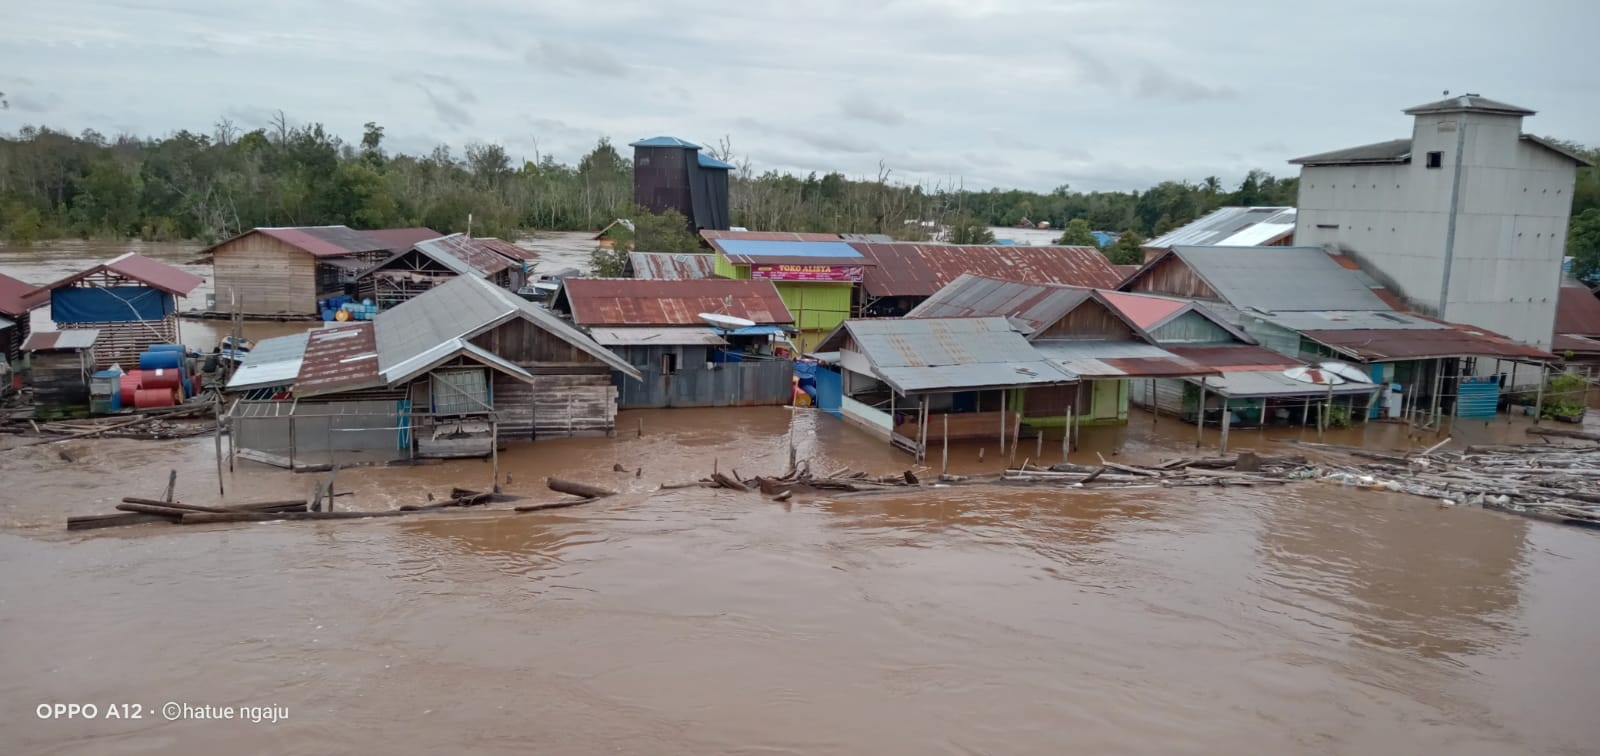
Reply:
x=1098, y=94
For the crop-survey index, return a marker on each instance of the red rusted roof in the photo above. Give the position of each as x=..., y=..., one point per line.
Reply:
x=18, y=297
x=1373, y=345
x=401, y=239
x=152, y=273
x=1577, y=312
x=1235, y=358
x=918, y=270
x=507, y=249
x=629, y=301
x=71, y=339
x=1144, y=311
x=339, y=359
x=318, y=241
x=1563, y=343
x=468, y=251
x=664, y=267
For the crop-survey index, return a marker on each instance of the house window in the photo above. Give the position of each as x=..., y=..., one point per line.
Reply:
x=1435, y=159
x=669, y=363
x=460, y=392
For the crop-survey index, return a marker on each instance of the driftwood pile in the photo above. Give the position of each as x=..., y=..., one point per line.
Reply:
x=800, y=479
x=148, y=425
x=1243, y=469
x=1542, y=481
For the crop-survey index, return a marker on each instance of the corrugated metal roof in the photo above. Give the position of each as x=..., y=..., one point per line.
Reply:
x=464, y=307
x=1231, y=226
x=632, y=301
x=1347, y=320
x=1468, y=103
x=665, y=141
x=714, y=235
x=1412, y=344
x=1392, y=151
x=446, y=351
x=707, y=161
x=17, y=297
x=945, y=354
x=1273, y=383
x=919, y=270
x=72, y=338
x=655, y=336
x=337, y=359
x=1034, y=305
x=656, y=266
x=271, y=362
x=506, y=249
x=464, y=255
x=1117, y=359
x=1127, y=270
x=1280, y=279
x=1234, y=357
x=757, y=251
x=401, y=239
x=326, y=241
x=152, y=273
x=1563, y=343
x=1557, y=148
x=1144, y=312
x=1577, y=312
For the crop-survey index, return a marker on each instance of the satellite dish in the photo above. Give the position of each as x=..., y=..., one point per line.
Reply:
x=1313, y=375
x=1346, y=371
x=726, y=322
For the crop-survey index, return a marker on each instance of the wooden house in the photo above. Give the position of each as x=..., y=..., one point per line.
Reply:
x=60, y=365
x=429, y=263
x=18, y=299
x=284, y=271
x=132, y=301
x=446, y=373
x=684, y=362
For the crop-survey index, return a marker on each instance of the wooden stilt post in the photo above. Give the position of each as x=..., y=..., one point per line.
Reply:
x=291, y=439
x=1200, y=416
x=217, y=439
x=1155, y=412
x=1305, y=413
x=1438, y=388
x=1039, y=452
x=494, y=454
x=1227, y=419
x=944, y=459
x=1538, y=397
x=1066, y=432
x=641, y=426
x=1004, y=401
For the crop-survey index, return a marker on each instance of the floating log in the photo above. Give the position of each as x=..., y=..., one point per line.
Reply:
x=471, y=499
x=1561, y=433
x=173, y=513
x=203, y=518
x=118, y=519
x=579, y=489
x=553, y=505
x=727, y=482
x=167, y=504
x=1090, y=478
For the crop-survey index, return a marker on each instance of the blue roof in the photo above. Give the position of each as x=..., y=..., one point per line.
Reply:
x=763, y=248
x=706, y=161
x=755, y=330
x=665, y=141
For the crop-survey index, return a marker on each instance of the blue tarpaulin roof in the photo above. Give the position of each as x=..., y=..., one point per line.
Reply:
x=665, y=141
x=755, y=330
x=762, y=248
x=706, y=161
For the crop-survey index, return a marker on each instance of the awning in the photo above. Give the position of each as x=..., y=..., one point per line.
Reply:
x=685, y=336
x=1273, y=383
x=755, y=330
x=1118, y=359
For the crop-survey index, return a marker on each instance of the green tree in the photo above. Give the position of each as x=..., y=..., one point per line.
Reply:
x=968, y=229
x=1078, y=234
x=1583, y=244
x=667, y=233
x=1127, y=250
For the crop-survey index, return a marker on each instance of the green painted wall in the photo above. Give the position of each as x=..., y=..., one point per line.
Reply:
x=729, y=270
x=1191, y=328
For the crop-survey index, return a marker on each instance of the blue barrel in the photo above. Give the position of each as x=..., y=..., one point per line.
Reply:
x=160, y=360
x=166, y=348
x=188, y=388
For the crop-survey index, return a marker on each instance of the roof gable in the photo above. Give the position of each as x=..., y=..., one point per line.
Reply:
x=318, y=241
x=136, y=267
x=1279, y=279
x=17, y=297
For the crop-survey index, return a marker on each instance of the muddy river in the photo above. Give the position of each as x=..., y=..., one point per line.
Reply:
x=1303, y=620
x=1309, y=619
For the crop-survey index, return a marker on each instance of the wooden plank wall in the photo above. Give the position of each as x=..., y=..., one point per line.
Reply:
x=267, y=276
x=59, y=377
x=1090, y=320
x=122, y=343
x=1172, y=276
x=11, y=338
x=513, y=405
x=573, y=405
x=527, y=344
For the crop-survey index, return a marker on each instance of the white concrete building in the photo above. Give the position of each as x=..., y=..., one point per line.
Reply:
x=1466, y=220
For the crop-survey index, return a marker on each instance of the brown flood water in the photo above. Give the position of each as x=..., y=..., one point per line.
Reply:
x=1300, y=620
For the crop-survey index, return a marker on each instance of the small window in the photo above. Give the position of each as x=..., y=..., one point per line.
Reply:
x=1328, y=225
x=669, y=363
x=460, y=392
x=1435, y=159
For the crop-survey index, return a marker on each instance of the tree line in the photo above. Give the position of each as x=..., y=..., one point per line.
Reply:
x=207, y=186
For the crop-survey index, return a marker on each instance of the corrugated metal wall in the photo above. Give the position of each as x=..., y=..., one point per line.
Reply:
x=1280, y=340
x=1478, y=397
x=1169, y=396
x=730, y=384
x=1191, y=328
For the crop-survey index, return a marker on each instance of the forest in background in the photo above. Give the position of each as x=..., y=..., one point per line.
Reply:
x=209, y=186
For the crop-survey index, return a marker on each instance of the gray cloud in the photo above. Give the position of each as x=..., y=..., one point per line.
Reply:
x=862, y=108
x=32, y=102
x=589, y=60
x=1157, y=83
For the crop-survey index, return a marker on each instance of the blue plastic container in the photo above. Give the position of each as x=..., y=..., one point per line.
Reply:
x=166, y=348
x=160, y=360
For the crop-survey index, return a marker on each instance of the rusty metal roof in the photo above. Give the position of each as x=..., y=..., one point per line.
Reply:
x=1372, y=345
x=1034, y=305
x=135, y=267
x=401, y=239
x=663, y=267
x=339, y=359
x=464, y=255
x=1563, y=343
x=637, y=302
x=949, y=354
x=319, y=241
x=1235, y=357
x=919, y=270
x=17, y=297
x=70, y=339
x=506, y=249
x=1577, y=312
x=1118, y=359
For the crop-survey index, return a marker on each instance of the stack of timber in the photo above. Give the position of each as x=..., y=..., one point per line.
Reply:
x=1542, y=481
x=155, y=424
x=1243, y=469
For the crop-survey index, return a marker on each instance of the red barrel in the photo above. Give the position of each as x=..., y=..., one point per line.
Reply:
x=129, y=383
x=146, y=397
x=162, y=378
